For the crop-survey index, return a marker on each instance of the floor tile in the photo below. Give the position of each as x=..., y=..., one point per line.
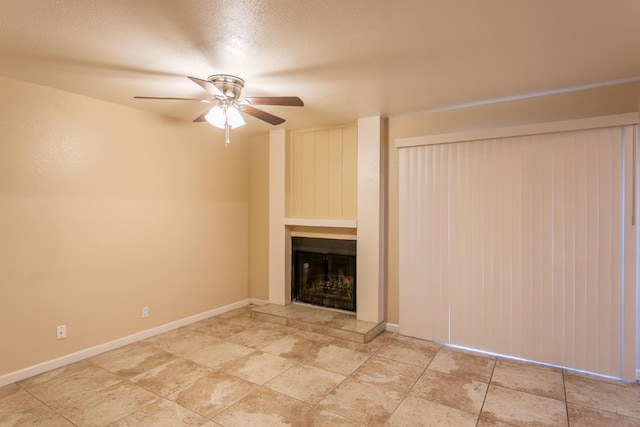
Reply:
x=62, y=384
x=239, y=313
x=239, y=317
x=256, y=337
x=278, y=328
x=320, y=418
x=264, y=408
x=581, y=416
x=275, y=309
x=537, y=379
x=362, y=402
x=464, y=364
x=107, y=405
x=258, y=367
x=588, y=376
x=219, y=328
x=293, y=347
x=372, y=346
x=213, y=393
x=520, y=408
x=450, y=390
x=387, y=373
x=20, y=408
x=488, y=422
x=48, y=419
x=161, y=413
x=306, y=383
x=315, y=337
x=355, y=325
x=337, y=359
x=621, y=398
x=414, y=352
x=171, y=376
x=416, y=412
x=217, y=355
x=182, y=341
x=245, y=321
x=9, y=389
x=308, y=327
x=133, y=359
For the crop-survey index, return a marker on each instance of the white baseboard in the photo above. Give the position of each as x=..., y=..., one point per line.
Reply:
x=392, y=327
x=256, y=301
x=68, y=359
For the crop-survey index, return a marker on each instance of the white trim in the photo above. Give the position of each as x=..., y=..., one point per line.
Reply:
x=320, y=222
x=391, y=327
x=637, y=374
x=68, y=359
x=371, y=226
x=256, y=301
x=533, y=129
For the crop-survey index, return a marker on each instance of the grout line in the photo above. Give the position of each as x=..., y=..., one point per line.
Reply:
x=495, y=363
x=564, y=390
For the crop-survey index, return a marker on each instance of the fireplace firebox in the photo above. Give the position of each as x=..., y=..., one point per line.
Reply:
x=324, y=272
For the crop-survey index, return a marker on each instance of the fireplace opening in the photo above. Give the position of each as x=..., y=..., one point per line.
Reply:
x=324, y=272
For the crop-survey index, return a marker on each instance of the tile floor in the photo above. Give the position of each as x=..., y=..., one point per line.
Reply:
x=231, y=370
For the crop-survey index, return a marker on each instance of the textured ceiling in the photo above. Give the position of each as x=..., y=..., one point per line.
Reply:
x=345, y=58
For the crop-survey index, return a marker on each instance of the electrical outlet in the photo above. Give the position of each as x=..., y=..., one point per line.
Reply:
x=145, y=311
x=61, y=332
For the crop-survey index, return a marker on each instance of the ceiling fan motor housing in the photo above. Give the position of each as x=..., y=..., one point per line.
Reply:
x=229, y=85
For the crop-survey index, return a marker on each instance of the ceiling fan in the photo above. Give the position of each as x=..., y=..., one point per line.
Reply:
x=224, y=93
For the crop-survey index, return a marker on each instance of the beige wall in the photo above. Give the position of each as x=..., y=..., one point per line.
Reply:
x=104, y=209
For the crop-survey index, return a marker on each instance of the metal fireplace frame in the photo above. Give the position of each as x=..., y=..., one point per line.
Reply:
x=338, y=291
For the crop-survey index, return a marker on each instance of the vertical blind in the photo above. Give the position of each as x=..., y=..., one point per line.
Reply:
x=524, y=247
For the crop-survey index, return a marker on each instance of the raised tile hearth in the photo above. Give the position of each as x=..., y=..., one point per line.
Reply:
x=319, y=320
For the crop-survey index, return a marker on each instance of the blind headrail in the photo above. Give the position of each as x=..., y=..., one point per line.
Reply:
x=532, y=129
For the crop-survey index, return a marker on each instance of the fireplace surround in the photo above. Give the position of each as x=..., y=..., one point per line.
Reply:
x=368, y=226
x=323, y=272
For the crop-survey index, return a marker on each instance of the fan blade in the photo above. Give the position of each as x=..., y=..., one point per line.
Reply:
x=171, y=99
x=289, y=101
x=208, y=86
x=201, y=118
x=262, y=115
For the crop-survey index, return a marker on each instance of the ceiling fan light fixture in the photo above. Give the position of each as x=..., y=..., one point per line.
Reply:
x=216, y=117
x=221, y=116
x=234, y=117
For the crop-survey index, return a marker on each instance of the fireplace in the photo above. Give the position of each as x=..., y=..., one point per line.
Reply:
x=323, y=272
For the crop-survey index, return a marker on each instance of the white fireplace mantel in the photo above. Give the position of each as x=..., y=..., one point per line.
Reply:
x=369, y=223
x=320, y=222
